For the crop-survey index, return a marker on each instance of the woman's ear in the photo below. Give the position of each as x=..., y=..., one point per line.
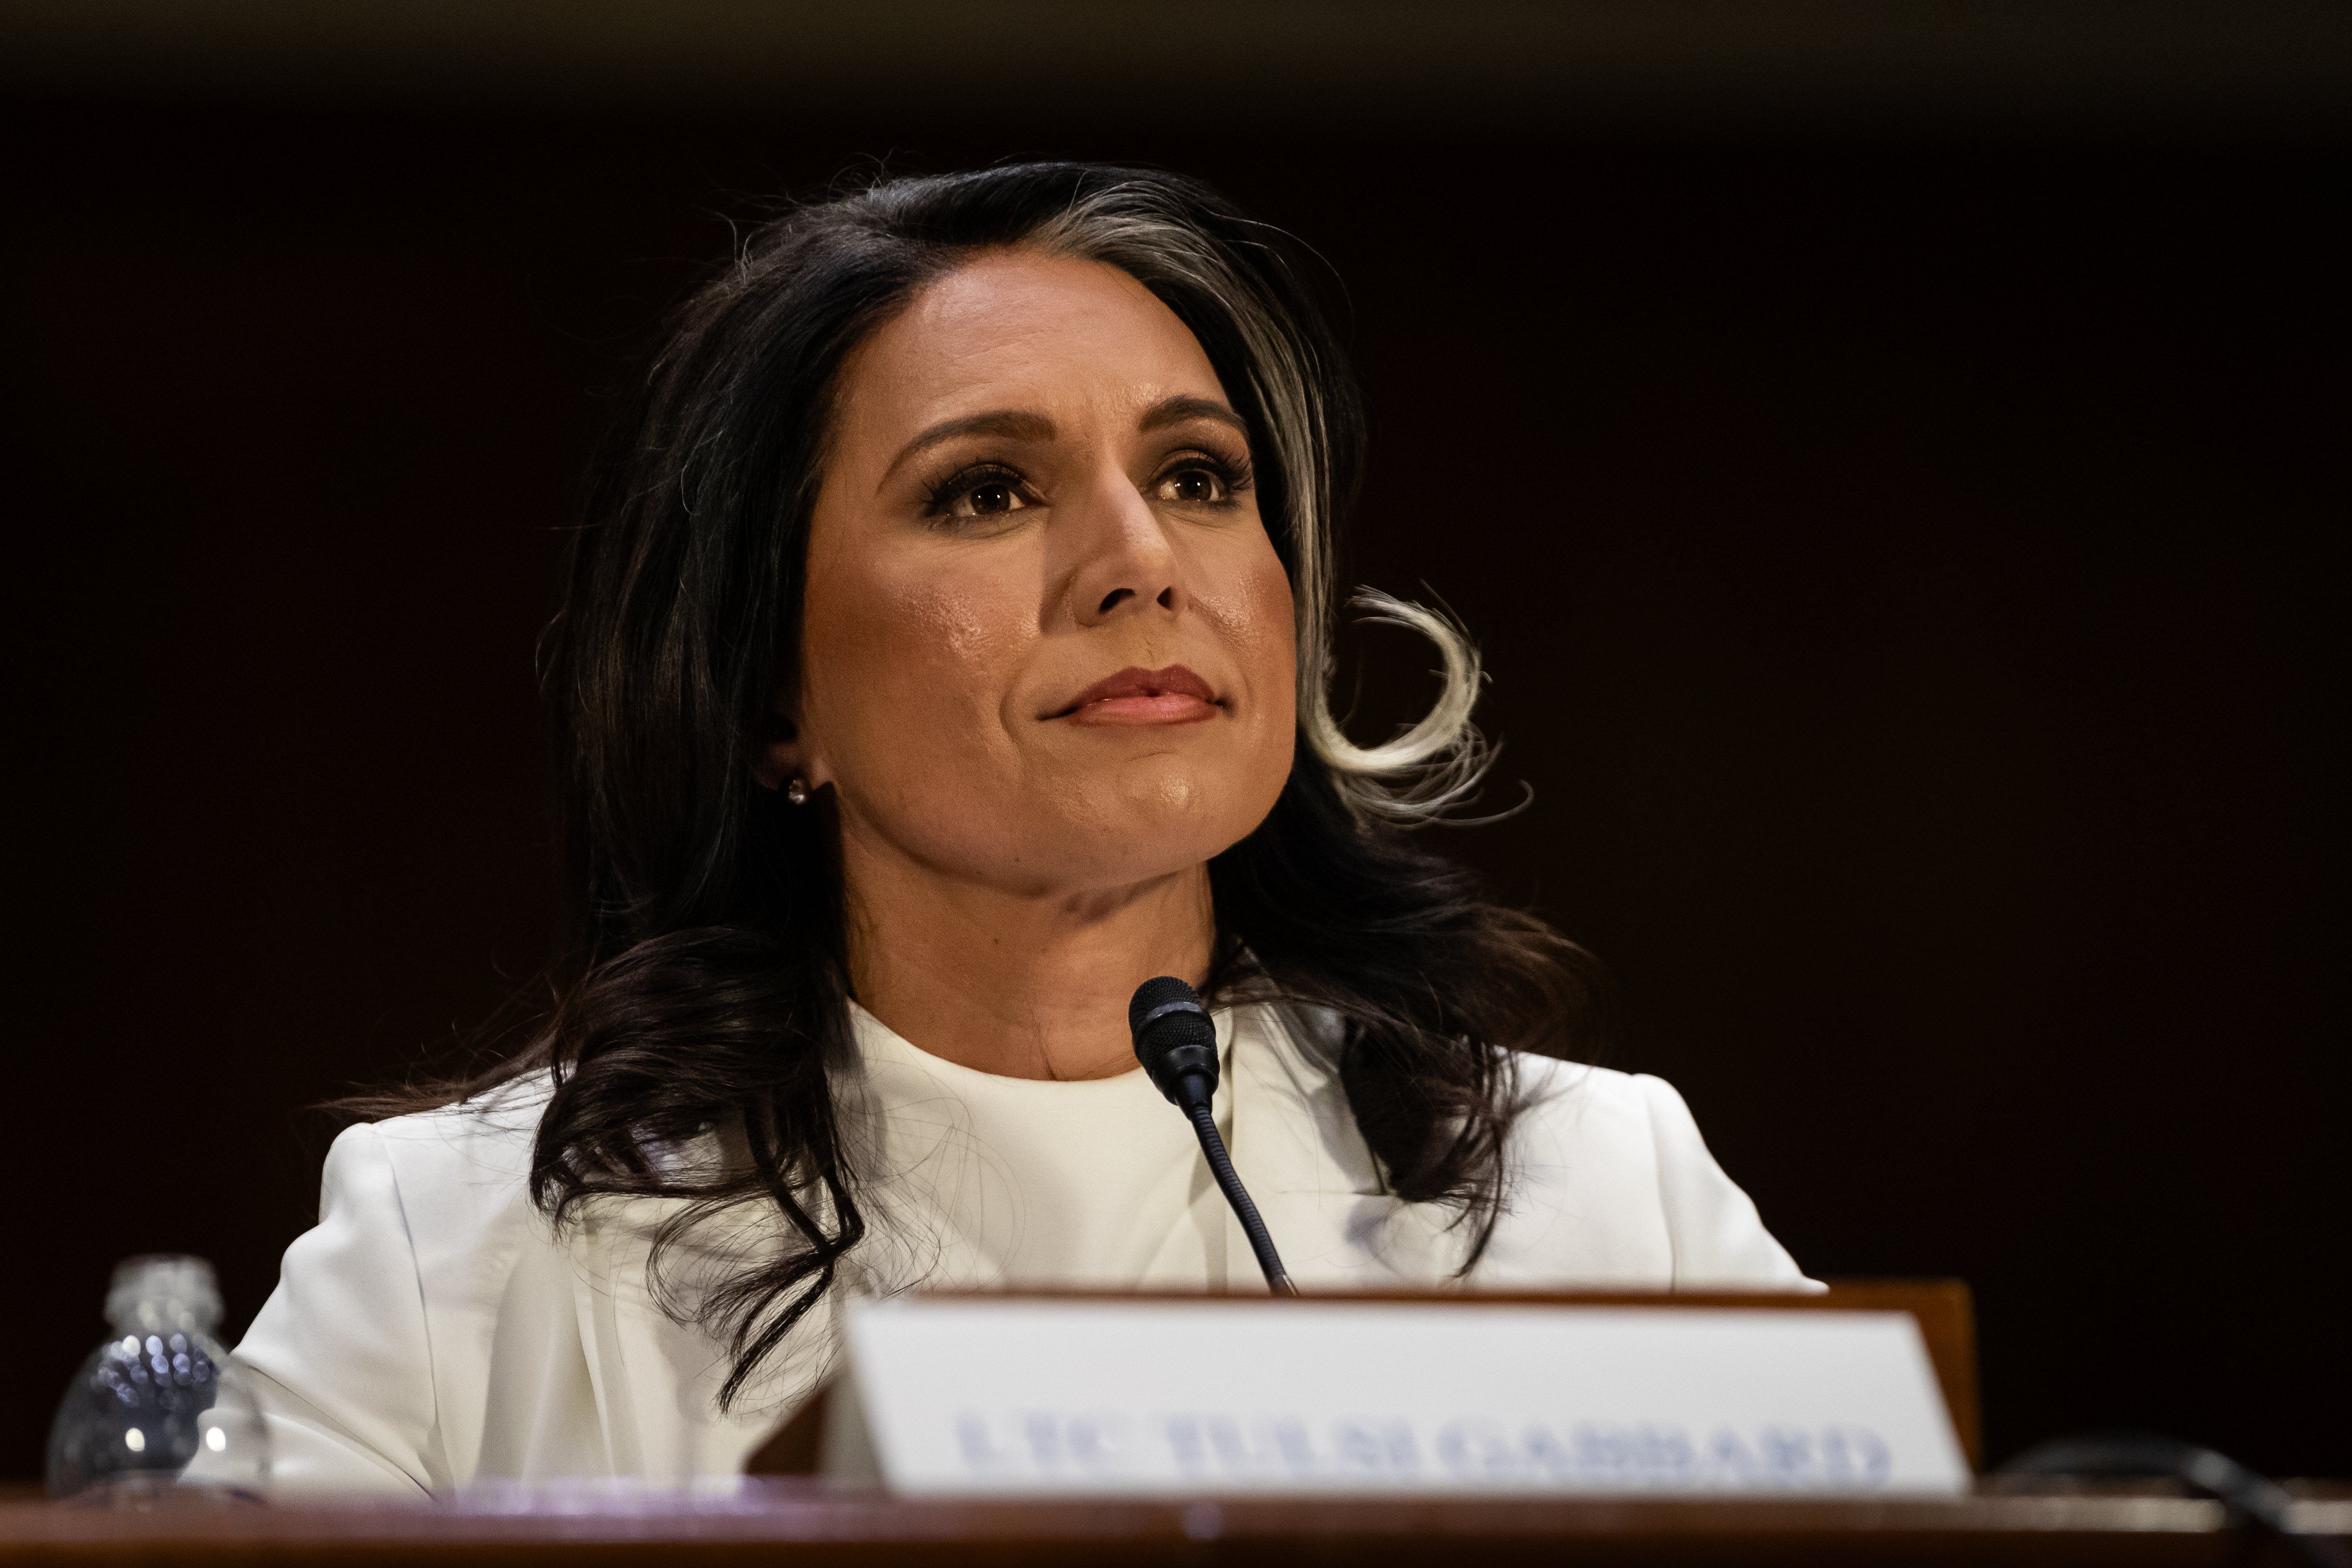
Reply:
x=779, y=759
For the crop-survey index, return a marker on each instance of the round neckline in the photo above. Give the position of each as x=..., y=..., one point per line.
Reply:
x=872, y=1030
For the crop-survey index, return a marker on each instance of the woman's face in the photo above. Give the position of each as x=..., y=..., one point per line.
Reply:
x=1047, y=646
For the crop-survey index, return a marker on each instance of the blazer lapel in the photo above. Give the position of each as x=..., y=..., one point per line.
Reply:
x=1315, y=1181
x=656, y=1379
x=593, y=1305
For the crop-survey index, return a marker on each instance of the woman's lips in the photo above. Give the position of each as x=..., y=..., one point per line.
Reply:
x=1172, y=695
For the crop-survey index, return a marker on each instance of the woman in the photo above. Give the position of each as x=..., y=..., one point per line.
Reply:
x=946, y=654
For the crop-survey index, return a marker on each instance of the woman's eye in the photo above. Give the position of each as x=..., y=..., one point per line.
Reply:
x=986, y=498
x=1193, y=484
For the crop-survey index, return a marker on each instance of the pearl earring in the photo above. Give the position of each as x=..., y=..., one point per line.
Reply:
x=797, y=792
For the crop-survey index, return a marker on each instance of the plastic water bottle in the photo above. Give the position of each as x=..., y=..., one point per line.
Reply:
x=157, y=1411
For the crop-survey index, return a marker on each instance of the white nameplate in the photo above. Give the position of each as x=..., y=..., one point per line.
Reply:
x=974, y=1395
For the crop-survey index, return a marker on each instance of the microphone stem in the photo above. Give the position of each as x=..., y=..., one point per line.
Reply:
x=1220, y=1166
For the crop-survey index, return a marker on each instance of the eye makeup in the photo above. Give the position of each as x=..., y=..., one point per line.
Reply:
x=991, y=487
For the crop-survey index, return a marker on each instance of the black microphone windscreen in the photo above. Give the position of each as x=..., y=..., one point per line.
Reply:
x=1153, y=995
x=1175, y=1039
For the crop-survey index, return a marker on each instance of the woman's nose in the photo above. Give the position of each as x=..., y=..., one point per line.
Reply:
x=1125, y=562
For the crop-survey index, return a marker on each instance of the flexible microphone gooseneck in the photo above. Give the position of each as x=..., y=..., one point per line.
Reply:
x=1177, y=1044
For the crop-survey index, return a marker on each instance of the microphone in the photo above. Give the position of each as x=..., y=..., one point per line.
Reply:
x=1177, y=1044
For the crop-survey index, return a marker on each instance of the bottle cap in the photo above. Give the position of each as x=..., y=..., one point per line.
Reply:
x=163, y=1291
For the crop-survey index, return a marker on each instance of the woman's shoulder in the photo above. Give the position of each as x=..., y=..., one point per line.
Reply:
x=1610, y=1166
x=475, y=1153
x=1600, y=1123
x=421, y=1218
x=1591, y=1098
x=445, y=1187
x=1552, y=1088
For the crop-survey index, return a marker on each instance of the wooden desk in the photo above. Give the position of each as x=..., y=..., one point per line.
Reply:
x=799, y=1521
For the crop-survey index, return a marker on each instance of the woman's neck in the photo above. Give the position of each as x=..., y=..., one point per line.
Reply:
x=1016, y=985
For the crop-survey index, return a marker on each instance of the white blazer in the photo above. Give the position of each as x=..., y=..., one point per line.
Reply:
x=432, y=1330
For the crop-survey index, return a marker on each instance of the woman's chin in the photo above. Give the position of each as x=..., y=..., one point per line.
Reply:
x=1186, y=810
x=1141, y=850
x=1130, y=841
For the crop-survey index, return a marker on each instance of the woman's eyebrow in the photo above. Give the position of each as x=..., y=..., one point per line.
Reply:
x=1177, y=410
x=1013, y=424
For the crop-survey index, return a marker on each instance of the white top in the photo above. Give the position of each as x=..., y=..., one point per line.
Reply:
x=432, y=1330
x=1031, y=1182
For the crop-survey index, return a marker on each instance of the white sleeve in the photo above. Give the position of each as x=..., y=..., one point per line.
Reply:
x=1719, y=1240
x=339, y=1356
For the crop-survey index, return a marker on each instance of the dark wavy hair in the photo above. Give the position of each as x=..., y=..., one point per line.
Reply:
x=707, y=988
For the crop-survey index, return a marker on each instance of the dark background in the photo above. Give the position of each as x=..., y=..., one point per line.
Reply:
x=1900, y=496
